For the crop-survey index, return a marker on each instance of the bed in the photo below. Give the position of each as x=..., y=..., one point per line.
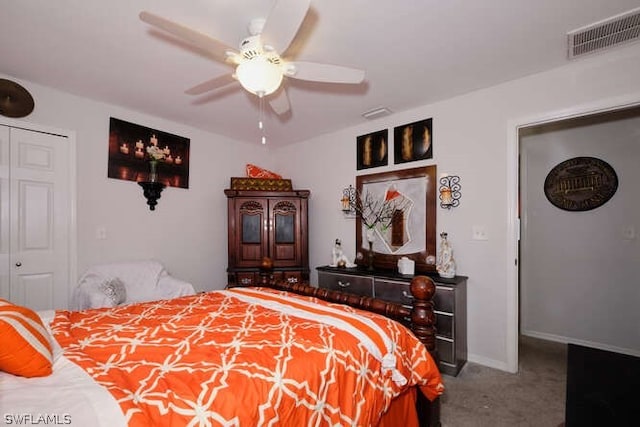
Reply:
x=277, y=354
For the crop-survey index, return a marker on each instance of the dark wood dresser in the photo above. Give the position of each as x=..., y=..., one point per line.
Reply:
x=269, y=224
x=450, y=304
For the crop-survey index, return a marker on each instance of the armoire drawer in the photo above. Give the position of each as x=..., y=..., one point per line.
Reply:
x=343, y=282
x=246, y=279
x=292, y=276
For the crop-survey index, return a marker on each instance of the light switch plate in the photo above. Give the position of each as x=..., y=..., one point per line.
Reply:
x=101, y=233
x=479, y=232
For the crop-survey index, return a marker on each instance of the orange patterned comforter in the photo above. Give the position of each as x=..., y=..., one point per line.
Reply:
x=246, y=358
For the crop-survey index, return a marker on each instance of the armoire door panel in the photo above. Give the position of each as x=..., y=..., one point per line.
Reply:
x=250, y=253
x=251, y=236
x=284, y=253
x=285, y=230
x=251, y=229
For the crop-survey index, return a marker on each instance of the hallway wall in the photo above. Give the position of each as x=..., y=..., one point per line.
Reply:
x=579, y=270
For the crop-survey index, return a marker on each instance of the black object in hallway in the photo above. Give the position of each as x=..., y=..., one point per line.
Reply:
x=603, y=388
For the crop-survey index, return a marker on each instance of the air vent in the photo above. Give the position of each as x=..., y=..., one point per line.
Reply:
x=376, y=113
x=623, y=28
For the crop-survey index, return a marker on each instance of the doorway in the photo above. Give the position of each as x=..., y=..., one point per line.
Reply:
x=576, y=265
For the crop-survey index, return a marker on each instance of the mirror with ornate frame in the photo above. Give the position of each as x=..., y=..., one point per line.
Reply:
x=411, y=230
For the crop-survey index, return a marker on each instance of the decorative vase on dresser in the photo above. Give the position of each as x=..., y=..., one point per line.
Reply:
x=269, y=224
x=450, y=304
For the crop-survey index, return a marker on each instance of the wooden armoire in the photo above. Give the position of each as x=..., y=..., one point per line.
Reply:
x=267, y=224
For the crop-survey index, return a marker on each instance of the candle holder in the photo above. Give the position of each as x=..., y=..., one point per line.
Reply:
x=349, y=201
x=152, y=192
x=450, y=191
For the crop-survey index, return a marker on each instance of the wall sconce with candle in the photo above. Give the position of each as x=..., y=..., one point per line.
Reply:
x=349, y=201
x=449, y=191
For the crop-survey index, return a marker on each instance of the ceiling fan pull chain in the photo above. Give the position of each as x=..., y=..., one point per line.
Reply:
x=261, y=118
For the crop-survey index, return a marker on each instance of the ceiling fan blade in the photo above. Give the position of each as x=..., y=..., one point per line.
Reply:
x=279, y=101
x=283, y=22
x=325, y=73
x=207, y=43
x=215, y=83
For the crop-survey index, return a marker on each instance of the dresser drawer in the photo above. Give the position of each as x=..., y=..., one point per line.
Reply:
x=450, y=305
x=444, y=325
x=390, y=290
x=343, y=282
x=446, y=350
x=444, y=300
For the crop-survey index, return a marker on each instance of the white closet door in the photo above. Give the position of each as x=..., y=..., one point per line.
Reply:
x=39, y=219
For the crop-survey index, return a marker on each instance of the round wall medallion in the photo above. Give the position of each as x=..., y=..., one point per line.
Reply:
x=581, y=184
x=15, y=100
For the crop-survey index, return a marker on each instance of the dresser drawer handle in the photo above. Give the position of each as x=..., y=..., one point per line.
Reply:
x=343, y=284
x=407, y=295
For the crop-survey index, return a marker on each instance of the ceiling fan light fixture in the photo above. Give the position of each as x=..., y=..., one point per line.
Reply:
x=259, y=76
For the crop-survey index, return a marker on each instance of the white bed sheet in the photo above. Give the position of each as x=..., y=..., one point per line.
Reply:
x=69, y=393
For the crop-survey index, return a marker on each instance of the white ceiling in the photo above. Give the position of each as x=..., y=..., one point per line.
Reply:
x=414, y=52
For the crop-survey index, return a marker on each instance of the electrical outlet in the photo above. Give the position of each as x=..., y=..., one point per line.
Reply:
x=479, y=232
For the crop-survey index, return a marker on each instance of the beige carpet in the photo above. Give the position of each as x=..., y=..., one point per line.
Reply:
x=535, y=396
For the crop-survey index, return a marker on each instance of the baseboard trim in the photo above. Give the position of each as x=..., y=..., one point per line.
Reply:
x=584, y=343
x=490, y=363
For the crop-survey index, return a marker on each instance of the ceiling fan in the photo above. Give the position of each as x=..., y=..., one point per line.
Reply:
x=259, y=67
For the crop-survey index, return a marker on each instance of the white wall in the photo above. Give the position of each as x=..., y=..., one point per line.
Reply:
x=471, y=137
x=579, y=270
x=188, y=229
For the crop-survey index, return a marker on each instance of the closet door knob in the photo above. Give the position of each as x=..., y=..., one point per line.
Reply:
x=18, y=264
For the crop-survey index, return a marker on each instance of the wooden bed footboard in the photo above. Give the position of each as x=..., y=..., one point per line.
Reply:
x=420, y=318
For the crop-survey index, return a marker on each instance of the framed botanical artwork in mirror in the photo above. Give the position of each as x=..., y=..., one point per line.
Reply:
x=396, y=217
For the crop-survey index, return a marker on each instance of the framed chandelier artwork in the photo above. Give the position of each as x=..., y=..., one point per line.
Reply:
x=142, y=154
